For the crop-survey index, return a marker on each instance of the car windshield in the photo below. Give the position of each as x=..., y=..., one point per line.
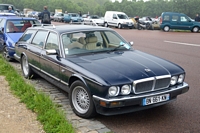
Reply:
x=74, y=15
x=122, y=16
x=93, y=41
x=16, y=26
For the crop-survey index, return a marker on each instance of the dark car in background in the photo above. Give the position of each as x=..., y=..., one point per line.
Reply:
x=179, y=21
x=11, y=29
x=99, y=69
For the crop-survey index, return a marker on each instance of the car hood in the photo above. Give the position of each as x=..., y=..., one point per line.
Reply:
x=125, y=67
x=14, y=36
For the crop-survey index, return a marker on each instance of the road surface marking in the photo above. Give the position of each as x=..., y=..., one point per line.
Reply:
x=181, y=43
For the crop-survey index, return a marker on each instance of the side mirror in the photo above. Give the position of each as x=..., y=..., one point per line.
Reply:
x=1, y=30
x=131, y=43
x=114, y=17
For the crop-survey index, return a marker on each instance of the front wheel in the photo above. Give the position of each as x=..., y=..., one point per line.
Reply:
x=27, y=71
x=166, y=28
x=81, y=100
x=6, y=54
x=195, y=29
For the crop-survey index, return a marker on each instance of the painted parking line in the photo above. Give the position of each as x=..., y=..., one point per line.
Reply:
x=181, y=43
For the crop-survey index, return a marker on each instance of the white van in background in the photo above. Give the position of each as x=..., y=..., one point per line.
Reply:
x=117, y=19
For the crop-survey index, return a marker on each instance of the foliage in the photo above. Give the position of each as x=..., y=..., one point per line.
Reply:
x=132, y=8
x=52, y=118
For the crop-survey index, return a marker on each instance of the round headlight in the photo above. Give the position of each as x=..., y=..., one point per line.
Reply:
x=125, y=90
x=173, y=80
x=113, y=91
x=181, y=78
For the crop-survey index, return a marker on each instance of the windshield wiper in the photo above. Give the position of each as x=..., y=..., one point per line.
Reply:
x=121, y=45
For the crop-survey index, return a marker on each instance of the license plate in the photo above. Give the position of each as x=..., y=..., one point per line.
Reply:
x=155, y=99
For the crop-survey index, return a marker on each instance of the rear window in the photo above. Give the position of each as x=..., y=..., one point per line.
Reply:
x=166, y=17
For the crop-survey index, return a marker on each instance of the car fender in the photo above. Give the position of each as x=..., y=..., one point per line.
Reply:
x=75, y=77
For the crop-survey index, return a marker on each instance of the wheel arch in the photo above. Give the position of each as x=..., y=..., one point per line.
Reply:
x=165, y=26
x=76, y=77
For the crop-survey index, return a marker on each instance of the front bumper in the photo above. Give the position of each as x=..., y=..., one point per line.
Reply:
x=128, y=25
x=11, y=52
x=134, y=103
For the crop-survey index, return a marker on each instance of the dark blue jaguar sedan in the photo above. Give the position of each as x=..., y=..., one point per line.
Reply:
x=99, y=69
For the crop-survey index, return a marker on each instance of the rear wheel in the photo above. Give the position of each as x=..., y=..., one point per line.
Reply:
x=166, y=28
x=27, y=72
x=81, y=100
x=119, y=26
x=195, y=29
x=106, y=24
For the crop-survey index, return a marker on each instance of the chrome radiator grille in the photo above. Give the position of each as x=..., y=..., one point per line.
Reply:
x=151, y=84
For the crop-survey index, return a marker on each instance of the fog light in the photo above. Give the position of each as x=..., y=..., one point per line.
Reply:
x=102, y=103
x=114, y=104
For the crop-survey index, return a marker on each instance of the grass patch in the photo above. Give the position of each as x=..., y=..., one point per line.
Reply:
x=52, y=118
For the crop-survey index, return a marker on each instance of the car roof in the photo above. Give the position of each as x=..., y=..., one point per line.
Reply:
x=17, y=18
x=71, y=28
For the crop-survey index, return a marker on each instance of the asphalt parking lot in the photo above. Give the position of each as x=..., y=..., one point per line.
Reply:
x=180, y=116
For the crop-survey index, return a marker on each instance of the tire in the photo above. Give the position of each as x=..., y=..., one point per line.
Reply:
x=106, y=24
x=166, y=28
x=27, y=71
x=5, y=54
x=195, y=29
x=119, y=26
x=81, y=100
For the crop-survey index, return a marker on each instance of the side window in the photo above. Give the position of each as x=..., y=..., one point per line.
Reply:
x=174, y=18
x=114, y=16
x=27, y=36
x=166, y=17
x=52, y=41
x=183, y=19
x=39, y=38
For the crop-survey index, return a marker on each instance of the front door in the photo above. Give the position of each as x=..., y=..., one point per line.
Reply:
x=185, y=23
x=50, y=63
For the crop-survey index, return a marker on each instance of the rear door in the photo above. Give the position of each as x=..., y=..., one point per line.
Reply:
x=174, y=21
x=35, y=48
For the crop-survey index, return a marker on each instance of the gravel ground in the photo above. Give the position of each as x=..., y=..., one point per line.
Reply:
x=14, y=116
